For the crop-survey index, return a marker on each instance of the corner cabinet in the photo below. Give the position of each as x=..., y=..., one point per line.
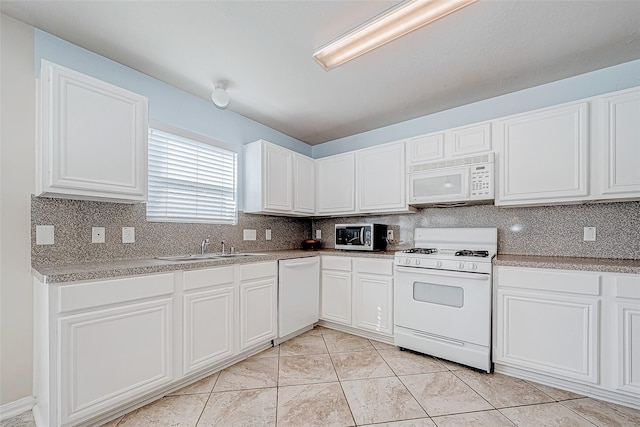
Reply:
x=278, y=181
x=92, y=142
x=543, y=156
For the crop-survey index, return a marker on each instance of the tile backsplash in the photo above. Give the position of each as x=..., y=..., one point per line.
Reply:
x=545, y=231
x=73, y=220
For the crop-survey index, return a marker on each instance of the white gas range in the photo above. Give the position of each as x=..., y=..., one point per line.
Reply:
x=442, y=294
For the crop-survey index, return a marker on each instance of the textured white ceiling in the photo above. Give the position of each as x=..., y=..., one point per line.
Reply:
x=263, y=49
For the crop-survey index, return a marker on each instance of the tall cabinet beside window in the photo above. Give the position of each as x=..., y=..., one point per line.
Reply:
x=92, y=138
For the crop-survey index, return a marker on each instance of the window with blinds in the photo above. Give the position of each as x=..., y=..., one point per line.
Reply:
x=190, y=180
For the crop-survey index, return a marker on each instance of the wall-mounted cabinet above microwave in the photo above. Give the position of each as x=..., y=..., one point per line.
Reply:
x=465, y=180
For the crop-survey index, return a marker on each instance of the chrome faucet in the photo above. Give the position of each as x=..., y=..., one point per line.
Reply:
x=204, y=245
x=223, y=246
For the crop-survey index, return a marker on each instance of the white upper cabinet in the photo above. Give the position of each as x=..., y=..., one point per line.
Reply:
x=470, y=139
x=277, y=180
x=425, y=148
x=616, y=144
x=304, y=184
x=92, y=138
x=336, y=184
x=382, y=178
x=543, y=156
x=462, y=141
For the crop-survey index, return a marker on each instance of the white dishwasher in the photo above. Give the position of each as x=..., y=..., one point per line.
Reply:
x=298, y=295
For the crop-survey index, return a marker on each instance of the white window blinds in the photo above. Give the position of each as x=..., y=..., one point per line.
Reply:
x=190, y=181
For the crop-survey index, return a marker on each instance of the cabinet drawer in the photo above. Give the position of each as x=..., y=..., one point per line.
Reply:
x=546, y=280
x=628, y=287
x=258, y=270
x=336, y=263
x=373, y=266
x=196, y=279
x=95, y=294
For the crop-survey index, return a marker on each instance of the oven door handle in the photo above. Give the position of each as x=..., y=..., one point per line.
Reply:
x=425, y=271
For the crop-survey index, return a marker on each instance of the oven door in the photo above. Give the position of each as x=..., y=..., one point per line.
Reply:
x=452, y=305
x=436, y=186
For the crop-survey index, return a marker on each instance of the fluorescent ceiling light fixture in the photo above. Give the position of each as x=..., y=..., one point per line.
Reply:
x=396, y=22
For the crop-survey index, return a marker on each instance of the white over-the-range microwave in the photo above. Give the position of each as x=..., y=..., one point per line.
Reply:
x=466, y=180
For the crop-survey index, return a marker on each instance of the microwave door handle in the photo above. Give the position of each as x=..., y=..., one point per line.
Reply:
x=362, y=236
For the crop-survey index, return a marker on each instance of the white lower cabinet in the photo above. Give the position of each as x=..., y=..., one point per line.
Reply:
x=578, y=330
x=209, y=311
x=99, y=345
x=258, y=303
x=358, y=293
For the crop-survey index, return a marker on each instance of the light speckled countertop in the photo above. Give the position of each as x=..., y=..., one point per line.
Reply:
x=570, y=263
x=131, y=267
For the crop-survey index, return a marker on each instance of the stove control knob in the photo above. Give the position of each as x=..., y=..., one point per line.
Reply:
x=461, y=265
x=407, y=261
x=438, y=264
x=473, y=266
x=417, y=262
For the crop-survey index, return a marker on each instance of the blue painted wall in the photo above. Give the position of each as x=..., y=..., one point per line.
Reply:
x=610, y=79
x=167, y=104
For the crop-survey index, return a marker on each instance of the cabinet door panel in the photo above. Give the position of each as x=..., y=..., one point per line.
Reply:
x=544, y=156
x=94, y=137
x=374, y=303
x=382, y=178
x=257, y=312
x=278, y=175
x=336, y=297
x=425, y=148
x=556, y=334
x=304, y=185
x=112, y=356
x=629, y=347
x=208, y=328
x=622, y=138
x=336, y=184
x=471, y=139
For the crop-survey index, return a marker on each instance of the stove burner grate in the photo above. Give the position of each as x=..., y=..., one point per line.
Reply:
x=424, y=251
x=466, y=252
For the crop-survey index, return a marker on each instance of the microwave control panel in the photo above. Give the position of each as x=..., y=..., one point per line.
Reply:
x=481, y=181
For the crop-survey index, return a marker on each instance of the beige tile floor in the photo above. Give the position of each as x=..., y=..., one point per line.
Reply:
x=329, y=378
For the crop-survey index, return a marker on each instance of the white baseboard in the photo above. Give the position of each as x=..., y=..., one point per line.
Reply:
x=12, y=409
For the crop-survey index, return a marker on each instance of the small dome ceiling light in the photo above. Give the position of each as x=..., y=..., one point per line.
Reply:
x=219, y=95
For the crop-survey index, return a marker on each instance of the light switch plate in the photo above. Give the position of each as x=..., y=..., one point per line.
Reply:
x=249, y=234
x=589, y=234
x=389, y=235
x=97, y=234
x=267, y=234
x=45, y=234
x=128, y=234
x=318, y=234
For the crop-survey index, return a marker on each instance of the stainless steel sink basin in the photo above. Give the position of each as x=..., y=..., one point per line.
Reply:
x=204, y=257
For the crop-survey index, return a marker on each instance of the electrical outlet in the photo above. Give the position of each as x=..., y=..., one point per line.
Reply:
x=589, y=234
x=267, y=234
x=389, y=235
x=44, y=234
x=97, y=234
x=128, y=235
x=249, y=234
x=318, y=234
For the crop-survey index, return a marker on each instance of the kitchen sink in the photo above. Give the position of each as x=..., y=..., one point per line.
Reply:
x=204, y=257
